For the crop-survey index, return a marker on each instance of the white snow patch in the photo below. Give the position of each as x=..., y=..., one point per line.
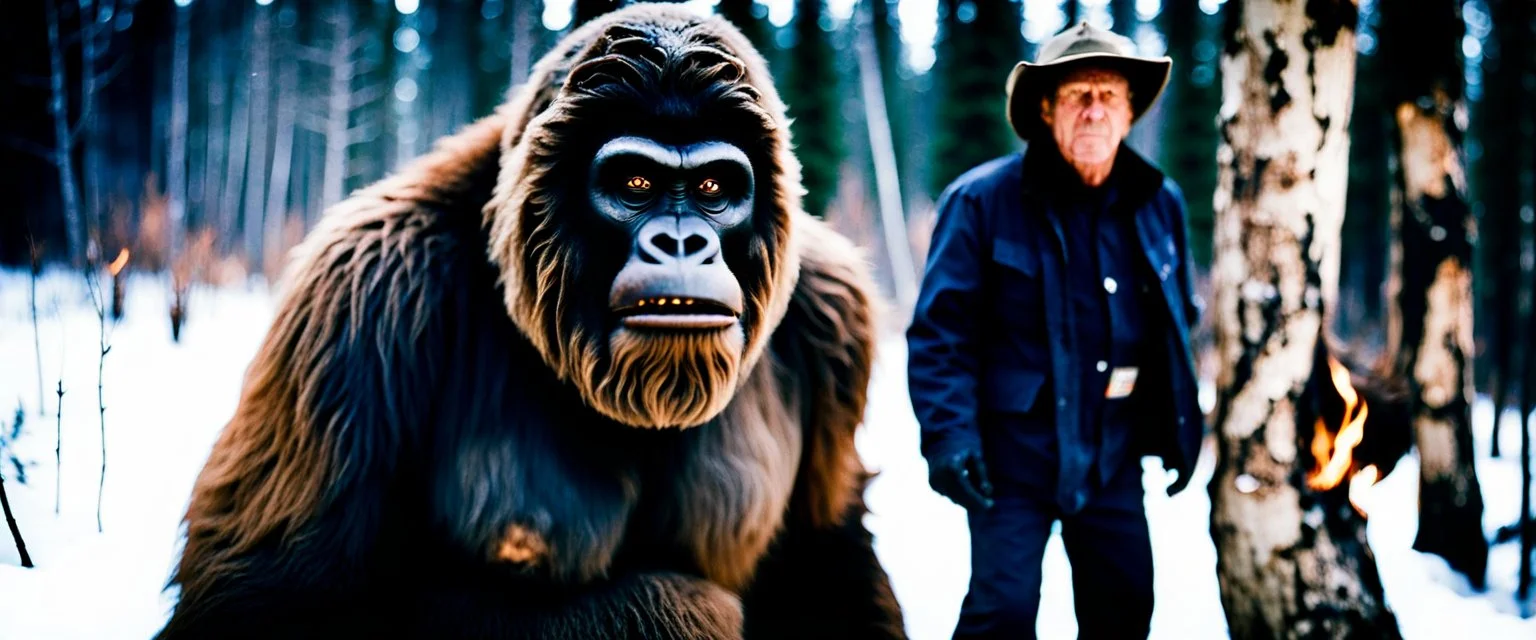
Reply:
x=166, y=403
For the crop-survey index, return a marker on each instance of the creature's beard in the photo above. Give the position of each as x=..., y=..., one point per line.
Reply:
x=662, y=380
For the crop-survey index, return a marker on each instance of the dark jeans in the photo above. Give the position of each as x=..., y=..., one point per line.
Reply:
x=1107, y=544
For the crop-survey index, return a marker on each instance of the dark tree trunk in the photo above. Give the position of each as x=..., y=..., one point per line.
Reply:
x=1292, y=561
x=1430, y=330
x=1526, y=525
x=1505, y=104
x=814, y=104
x=1366, y=227
x=64, y=139
x=10, y=521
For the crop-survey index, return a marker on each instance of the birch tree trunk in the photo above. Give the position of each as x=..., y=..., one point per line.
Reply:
x=524, y=28
x=338, y=107
x=260, y=103
x=282, y=159
x=176, y=164
x=63, y=138
x=1291, y=562
x=239, y=133
x=1429, y=329
x=217, y=135
x=893, y=219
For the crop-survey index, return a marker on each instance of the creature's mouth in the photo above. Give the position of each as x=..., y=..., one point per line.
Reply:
x=676, y=312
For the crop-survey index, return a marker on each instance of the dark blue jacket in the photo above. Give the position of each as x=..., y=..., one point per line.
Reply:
x=990, y=363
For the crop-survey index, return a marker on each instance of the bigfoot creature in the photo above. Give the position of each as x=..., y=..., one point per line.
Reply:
x=586, y=370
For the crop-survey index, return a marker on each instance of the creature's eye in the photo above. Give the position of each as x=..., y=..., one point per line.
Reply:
x=638, y=183
x=710, y=187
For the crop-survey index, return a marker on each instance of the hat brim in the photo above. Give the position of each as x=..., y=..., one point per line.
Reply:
x=1028, y=82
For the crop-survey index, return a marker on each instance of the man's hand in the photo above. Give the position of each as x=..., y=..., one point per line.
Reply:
x=962, y=477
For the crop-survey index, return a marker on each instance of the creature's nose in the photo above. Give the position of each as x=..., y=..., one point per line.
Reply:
x=684, y=241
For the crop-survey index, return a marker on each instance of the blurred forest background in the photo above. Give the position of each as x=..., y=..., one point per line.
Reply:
x=223, y=128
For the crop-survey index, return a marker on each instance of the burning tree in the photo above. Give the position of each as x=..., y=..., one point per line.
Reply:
x=1293, y=560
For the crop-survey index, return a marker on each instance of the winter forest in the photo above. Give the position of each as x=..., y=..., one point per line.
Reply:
x=162, y=158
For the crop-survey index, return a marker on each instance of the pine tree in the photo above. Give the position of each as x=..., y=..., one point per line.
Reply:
x=1366, y=227
x=812, y=94
x=1189, y=105
x=745, y=14
x=1506, y=105
x=979, y=44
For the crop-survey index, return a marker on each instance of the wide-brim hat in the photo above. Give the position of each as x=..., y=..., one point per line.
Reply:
x=1079, y=46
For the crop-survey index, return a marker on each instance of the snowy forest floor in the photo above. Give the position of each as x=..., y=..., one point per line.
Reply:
x=167, y=401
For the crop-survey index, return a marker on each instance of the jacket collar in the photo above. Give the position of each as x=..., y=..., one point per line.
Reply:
x=1047, y=176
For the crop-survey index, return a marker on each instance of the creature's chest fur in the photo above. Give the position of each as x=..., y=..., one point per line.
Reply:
x=560, y=493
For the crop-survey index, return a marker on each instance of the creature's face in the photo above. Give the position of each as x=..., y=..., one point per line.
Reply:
x=673, y=202
x=645, y=236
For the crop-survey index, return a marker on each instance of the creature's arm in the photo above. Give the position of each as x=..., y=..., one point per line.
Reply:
x=821, y=578
x=294, y=502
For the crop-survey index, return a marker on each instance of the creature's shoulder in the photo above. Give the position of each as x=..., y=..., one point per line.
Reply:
x=826, y=345
x=405, y=231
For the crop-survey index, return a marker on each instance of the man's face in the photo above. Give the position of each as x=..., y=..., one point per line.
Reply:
x=1089, y=115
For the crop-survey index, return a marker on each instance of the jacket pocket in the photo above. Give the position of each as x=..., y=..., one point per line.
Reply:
x=1017, y=256
x=1011, y=390
x=1019, y=288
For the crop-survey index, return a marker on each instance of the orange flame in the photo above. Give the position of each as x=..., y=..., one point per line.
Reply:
x=118, y=264
x=1335, y=453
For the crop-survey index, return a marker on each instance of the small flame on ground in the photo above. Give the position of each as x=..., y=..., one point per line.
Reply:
x=118, y=264
x=1335, y=454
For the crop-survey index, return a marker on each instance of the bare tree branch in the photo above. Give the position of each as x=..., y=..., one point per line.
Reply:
x=316, y=55
x=363, y=133
x=28, y=146
x=368, y=95
x=312, y=122
x=30, y=81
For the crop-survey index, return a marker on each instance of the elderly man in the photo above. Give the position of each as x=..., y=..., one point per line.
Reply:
x=1049, y=349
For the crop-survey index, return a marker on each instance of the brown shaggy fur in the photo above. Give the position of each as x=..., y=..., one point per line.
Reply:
x=433, y=438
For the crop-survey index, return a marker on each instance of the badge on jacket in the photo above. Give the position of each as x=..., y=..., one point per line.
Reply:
x=1121, y=381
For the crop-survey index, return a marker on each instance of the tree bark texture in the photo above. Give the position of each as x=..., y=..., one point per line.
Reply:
x=1430, y=314
x=1291, y=562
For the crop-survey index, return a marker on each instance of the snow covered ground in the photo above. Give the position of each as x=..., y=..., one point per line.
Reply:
x=166, y=402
